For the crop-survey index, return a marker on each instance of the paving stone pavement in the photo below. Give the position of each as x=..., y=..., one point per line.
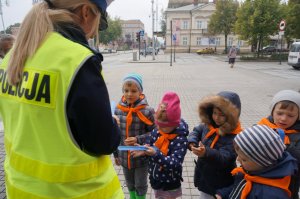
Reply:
x=192, y=77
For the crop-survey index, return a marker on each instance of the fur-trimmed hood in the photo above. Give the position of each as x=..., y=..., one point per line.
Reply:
x=228, y=102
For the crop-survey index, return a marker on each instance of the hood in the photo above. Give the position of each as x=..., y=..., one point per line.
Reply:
x=231, y=112
x=183, y=128
x=287, y=166
x=141, y=101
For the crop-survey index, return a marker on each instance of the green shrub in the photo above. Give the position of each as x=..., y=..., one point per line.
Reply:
x=283, y=57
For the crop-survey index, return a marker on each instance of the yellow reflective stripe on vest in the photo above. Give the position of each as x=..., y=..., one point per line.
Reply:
x=57, y=173
x=111, y=190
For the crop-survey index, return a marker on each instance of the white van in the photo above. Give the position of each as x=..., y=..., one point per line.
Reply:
x=294, y=55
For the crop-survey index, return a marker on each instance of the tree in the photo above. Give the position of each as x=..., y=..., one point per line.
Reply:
x=257, y=20
x=163, y=23
x=222, y=21
x=9, y=29
x=112, y=33
x=293, y=20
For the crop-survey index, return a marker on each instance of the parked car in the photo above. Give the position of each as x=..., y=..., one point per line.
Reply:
x=294, y=56
x=268, y=49
x=107, y=50
x=205, y=51
x=149, y=51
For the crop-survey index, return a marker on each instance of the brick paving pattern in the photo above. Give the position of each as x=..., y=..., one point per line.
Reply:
x=193, y=77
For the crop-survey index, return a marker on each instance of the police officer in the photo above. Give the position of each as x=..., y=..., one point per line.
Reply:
x=55, y=107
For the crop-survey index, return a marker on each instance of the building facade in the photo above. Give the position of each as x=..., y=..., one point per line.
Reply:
x=129, y=30
x=190, y=29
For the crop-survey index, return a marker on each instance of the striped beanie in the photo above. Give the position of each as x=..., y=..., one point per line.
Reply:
x=261, y=144
x=136, y=78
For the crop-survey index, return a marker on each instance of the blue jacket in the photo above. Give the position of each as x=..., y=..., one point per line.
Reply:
x=286, y=166
x=294, y=149
x=165, y=172
x=212, y=171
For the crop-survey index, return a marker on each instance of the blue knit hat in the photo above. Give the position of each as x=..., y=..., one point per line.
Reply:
x=136, y=78
x=232, y=97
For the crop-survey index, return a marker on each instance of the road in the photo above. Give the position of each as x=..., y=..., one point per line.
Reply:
x=193, y=76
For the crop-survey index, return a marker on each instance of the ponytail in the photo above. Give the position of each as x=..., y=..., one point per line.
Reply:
x=36, y=25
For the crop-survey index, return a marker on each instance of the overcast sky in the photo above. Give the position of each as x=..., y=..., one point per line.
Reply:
x=125, y=9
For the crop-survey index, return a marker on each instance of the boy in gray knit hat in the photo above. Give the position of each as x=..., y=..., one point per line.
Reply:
x=285, y=119
x=266, y=168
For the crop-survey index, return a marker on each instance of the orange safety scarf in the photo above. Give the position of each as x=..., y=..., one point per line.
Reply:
x=282, y=183
x=163, y=141
x=142, y=117
x=213, y=131
x=265, y=121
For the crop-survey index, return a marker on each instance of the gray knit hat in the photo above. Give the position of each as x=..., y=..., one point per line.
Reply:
x=286, y=95
x=260, y=143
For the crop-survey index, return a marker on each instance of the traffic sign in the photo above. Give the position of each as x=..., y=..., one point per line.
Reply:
x=282, y=25
x=174, y=37
x=142, y=33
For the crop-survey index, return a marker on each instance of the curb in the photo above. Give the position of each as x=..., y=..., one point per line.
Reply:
x=148, y=62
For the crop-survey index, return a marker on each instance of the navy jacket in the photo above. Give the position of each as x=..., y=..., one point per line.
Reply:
x=212, y=171
x=294, y=149
x=286, y=166
x=165, y=172
x=88, y=105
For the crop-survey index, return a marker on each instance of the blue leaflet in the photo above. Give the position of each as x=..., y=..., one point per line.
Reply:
x=132, y=148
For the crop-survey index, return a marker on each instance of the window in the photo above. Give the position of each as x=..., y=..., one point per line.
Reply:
x=185, y=25
x=240, y=43
x=204, y=25
x=199, y=24
x=184, y=41
x=204, y=31
x=230, y=41
x=198, y=41
x=218, y=41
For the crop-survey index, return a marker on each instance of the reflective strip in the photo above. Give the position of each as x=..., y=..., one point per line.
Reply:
x=57, y=173
x=111, y=190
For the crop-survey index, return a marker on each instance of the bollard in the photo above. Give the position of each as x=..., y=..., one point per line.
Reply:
x=134, y=54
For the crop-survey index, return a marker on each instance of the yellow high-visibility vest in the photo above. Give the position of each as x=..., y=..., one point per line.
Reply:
x=42, y=159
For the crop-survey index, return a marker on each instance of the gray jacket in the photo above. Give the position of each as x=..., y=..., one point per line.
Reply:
x=137, y=129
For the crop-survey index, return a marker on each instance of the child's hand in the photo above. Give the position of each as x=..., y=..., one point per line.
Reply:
x=130, y=141
x=218, y=196
x=191, y=145
x=136, y=154
x=199, y=151
x=117, y=161
x=150, y=151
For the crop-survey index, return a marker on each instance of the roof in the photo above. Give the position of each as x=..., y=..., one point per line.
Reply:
x=188, y=7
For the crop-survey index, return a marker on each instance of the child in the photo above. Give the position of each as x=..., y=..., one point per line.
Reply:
x=212, y=142
x=285, y=119
x=266, y=168
x=168, y=146
x=136, y=123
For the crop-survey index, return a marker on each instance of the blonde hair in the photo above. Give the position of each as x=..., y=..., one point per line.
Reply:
x=36, y=25
x=161, y=113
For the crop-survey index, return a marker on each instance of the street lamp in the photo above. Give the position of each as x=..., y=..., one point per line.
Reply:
x=1, y=13
x=153, y=52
